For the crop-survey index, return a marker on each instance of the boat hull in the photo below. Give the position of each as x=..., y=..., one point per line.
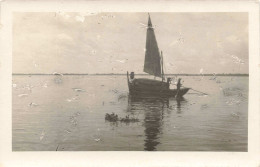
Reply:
x=164, y=93
x=149, y=87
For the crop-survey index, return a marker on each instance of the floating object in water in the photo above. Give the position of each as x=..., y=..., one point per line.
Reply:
x=22, y=95
x=42, y=135
x=127, y=119
x=32, y=104
x=97, y=140
x=72, y=99
x=235, y=115
x=78, y=90
x=114, y=118
x=111, y=117
x=68, y=131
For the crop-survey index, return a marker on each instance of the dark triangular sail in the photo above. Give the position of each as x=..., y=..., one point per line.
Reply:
x=152, y=64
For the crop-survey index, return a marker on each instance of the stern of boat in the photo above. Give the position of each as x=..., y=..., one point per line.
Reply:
x=182, y=92
x=128, y=82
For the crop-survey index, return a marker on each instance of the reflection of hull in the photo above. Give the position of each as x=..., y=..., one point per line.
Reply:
x=155, y=109
x=150, y=87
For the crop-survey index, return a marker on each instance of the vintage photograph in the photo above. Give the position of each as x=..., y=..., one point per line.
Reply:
x=130, y=81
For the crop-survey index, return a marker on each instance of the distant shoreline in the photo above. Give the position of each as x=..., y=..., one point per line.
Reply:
x=145, y=74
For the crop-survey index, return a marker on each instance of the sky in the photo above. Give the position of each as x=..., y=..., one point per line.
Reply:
x=115, y=42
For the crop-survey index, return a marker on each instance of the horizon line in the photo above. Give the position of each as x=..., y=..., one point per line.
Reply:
x=188, y=74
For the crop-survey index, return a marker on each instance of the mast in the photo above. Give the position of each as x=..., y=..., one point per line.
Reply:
x=163, y=78
x=152, y=63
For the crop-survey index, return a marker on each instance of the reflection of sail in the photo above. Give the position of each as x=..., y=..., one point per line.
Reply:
x=153, y=118
x=152, y=124
x=154, y=115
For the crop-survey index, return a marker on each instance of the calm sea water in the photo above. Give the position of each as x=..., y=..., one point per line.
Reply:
x=68, y=114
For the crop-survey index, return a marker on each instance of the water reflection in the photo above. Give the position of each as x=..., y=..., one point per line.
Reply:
x=154, y=113
x=57, y=79
x=179, y=100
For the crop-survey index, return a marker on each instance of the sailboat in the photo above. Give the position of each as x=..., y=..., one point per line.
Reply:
x=153, y=65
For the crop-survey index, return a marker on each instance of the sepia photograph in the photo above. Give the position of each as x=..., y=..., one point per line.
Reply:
x=118, y=83
x=130, y=81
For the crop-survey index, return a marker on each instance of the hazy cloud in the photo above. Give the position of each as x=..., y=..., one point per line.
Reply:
x=114, y=42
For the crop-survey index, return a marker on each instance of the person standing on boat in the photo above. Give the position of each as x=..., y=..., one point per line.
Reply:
x=178, y=87
x=168, y=82
x=179, y=84
x=132, y=77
